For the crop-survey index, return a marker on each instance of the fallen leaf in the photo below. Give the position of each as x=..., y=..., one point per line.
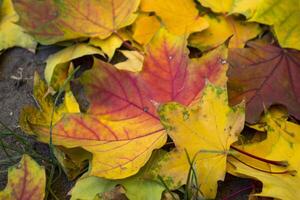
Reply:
x=11, y=34
x=62, y=59
x=206, y=131
x=33, y=119
x=284, y=15
x=108, y=45
x=26, y=180
x=135, y=188
x=134, y=62
x=188, y=21
x=220, y=29
x=264, y=74
x=53, y=21
x=218, y=6
x=281, y=145
x=144, y=28
x=121, y=127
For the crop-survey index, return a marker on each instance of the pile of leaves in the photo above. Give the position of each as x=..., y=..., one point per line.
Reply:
x=192, y=100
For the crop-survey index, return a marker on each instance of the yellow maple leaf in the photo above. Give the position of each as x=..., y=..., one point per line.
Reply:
x=188, y=21
x=10, y=33
x=206, y=131
x=144, y=28
x=280, y=150
x=220, y=29
x=27, y=180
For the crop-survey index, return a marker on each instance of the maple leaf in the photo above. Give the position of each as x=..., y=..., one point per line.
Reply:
x=53, y=21
x=27, y=180
x=121, y=126
x=144, y=28
x=188, y=21
x=264, y=74
x=281, y=146
x=220, y=29
x=206, y=131
x=8, y=18
x=284, y=15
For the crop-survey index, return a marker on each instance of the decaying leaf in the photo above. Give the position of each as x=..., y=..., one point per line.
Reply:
x=281, y=146
x=284, y=15
x=121, y=127
x=220, y=29
x=53, y=21
x=11, y=34
x=188, y=21
x=26, y=180
x=73, y=161
x=205, y=131
x=264, y=74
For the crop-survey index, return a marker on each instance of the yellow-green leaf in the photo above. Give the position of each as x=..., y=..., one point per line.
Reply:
x=26, y=181
x=206, y=131
x=283, y=15
x=10, y=33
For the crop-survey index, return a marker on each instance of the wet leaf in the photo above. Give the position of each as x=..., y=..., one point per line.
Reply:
x=188, y=21
x=11, y=34
x=26, y=180
x=121, y=127
x=281, y=145
x=264, y=74
x=205, y=131
x=53, y=21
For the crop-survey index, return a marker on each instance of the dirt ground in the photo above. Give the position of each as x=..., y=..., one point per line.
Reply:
x=17, y=67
